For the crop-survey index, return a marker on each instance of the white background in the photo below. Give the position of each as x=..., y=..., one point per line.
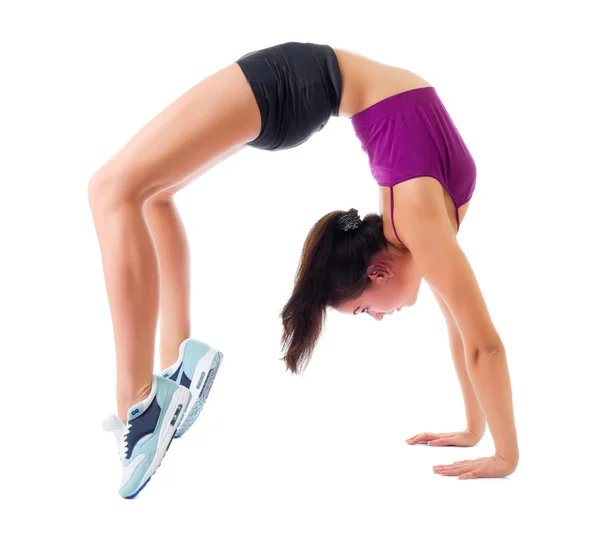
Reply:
x=276, y=457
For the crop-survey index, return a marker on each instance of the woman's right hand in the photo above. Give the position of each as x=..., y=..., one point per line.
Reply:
x=464, y=438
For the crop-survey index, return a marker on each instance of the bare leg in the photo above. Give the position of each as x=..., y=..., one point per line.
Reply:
x=174, y=265
x=172, y=245
x=211, y=119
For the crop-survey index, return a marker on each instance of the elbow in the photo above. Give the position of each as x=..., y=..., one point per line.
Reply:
x=493, y=351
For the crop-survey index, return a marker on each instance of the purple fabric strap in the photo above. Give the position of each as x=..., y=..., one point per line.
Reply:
x=393, y=225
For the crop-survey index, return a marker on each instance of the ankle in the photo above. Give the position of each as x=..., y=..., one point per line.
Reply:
x=169, y=352
x=128, y=398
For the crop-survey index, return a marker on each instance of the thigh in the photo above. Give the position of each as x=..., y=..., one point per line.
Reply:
x=210, y=120
x=165, y=195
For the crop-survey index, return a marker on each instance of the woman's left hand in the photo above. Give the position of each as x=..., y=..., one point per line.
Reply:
x=465, y=438
x=491, y=466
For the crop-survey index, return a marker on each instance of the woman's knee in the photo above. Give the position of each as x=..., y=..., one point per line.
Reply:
x=109, y=189
x=157, y=206
x=160, y=199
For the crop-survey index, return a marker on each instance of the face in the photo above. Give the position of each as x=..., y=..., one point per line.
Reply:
x=394, y=284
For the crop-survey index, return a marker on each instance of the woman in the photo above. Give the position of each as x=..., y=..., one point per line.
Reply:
x=275, y=99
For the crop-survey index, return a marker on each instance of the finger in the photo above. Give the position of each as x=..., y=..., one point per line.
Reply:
x=418, y=435
x=461, y=469
x=463, y=465
x=456, y=464
x=424, y=435
x=475, y=474
x=442, y=442
x=433, y=437
x=420, y=438
x=455, y=470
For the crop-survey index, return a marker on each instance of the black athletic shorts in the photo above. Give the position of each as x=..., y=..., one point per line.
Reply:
x=297, y=87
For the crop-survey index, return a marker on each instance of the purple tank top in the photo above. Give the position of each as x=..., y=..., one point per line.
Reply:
x=411, y=135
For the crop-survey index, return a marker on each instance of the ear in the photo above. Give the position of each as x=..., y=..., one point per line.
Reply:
x=377, y=273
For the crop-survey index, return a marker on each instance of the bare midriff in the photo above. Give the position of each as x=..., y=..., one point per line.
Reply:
x=366, y=82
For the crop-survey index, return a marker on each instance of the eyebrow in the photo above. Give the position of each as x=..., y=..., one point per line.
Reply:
x=354, y=312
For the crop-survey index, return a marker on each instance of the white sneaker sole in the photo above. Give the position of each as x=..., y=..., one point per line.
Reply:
x=200, y=385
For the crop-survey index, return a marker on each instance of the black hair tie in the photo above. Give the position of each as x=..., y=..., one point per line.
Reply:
x=349, y=220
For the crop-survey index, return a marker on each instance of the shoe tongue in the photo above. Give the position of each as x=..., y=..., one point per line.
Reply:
x=113, y=424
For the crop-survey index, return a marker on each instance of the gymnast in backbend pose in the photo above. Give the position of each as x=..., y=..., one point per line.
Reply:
x=275, y=99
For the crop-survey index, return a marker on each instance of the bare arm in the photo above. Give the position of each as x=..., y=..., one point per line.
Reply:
x=423, y=224
x=474, y=414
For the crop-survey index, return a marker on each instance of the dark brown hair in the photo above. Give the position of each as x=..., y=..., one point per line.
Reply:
x=332, y=270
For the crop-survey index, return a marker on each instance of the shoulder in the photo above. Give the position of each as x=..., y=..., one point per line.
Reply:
x=421, y=221
x=418, y=201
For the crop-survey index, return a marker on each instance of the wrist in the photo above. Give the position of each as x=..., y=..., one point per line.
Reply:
x=477, y=428
x=476, y=421
x=477, y=433
x=476, y=436
x=510, y=456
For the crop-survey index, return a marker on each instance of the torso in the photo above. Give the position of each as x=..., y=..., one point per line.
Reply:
x=366, y=82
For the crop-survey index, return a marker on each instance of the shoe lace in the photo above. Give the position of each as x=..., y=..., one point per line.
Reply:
x=120, y=430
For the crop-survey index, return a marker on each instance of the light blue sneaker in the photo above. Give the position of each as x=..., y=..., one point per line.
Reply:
x=144, y=440
x=195, y=369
